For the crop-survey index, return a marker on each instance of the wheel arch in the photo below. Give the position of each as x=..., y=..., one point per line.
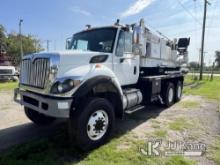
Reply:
x=99, y=86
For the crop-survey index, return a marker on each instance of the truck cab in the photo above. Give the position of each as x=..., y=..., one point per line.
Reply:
x=116, y=43
x=104, y=73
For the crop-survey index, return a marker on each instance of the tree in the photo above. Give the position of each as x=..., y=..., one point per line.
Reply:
x=194, y=65
x=11, y=44
x=2, y=38
x=30, y=45
x=217, y=55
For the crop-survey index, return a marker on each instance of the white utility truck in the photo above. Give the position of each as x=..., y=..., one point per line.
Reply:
x=104, y=73
x=7, y=70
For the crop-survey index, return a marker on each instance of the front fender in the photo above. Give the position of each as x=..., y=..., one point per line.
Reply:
x=107, y=84
x=103, y=70
x=104, y=77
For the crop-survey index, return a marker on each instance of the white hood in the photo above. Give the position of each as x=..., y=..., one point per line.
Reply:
x=75, y=62
x=7, y=67
x=70, y=62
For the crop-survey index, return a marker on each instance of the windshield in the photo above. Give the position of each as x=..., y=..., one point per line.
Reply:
x=100, y=40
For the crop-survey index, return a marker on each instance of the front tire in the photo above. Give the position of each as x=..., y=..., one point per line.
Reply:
x=92, y=124
x=38, y=118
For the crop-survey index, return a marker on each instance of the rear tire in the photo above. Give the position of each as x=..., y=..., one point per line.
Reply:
x=38, y=118
x=178, y=91
x=168, y=94
x=92, y=124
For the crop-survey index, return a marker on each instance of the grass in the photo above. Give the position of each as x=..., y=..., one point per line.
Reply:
x=160, y=133
x=155, y=126
x=189, y=104
x=215, y=151
x=56, y=150
x=180, y=124
x=8, y=85
x=188, y=80
x=175, y=160
x=207, y=89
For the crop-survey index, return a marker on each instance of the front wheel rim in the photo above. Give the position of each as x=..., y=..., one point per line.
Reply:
x=97, y=125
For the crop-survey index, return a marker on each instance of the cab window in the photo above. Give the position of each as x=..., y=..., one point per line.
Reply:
x=128, y=42
x=124, y=43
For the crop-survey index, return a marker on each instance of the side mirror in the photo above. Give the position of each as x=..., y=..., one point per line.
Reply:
x=68, y=43
x=136, y=49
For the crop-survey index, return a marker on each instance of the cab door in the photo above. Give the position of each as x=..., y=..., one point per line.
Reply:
x=126, y=64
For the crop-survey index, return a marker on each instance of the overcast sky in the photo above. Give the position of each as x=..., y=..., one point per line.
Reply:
x=55, y=20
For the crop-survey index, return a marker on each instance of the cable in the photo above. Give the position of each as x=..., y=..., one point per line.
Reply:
x=193, y=30
x=189, y=12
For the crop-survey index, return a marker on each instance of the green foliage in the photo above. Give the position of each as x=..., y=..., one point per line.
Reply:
x=180, y=124
x=11, y=43
x=189, y=80
x=160, y=133
x=8, y=85
x=217, y=59
x=175, y=160
x=205, y=88
x=189, y=104
x=194, y=65
x=2, y=38
x=29, y=44
x=215, y=151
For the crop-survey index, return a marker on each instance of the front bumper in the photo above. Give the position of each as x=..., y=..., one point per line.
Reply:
x=50, y=106
x=6, y=77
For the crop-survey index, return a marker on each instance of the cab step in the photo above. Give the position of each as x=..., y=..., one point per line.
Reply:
x=135, y=109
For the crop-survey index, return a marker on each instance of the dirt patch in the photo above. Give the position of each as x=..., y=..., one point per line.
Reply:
x=196, y=124
x=11, y=113
x=15, y=127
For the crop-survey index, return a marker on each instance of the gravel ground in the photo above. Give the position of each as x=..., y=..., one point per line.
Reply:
x=15, y=128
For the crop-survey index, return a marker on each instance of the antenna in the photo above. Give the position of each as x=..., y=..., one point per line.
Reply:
x=117, y=22
x=88, y=26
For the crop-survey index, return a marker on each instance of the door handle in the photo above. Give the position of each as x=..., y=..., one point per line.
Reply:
x=122, y=60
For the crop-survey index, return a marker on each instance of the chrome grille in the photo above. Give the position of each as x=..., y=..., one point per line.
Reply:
x=35, y=73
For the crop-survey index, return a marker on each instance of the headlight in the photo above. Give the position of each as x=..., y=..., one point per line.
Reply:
x=65, y=86
x=53, y=73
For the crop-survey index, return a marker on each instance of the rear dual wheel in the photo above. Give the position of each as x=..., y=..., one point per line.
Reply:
x=179, y=91
x=172, y=93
